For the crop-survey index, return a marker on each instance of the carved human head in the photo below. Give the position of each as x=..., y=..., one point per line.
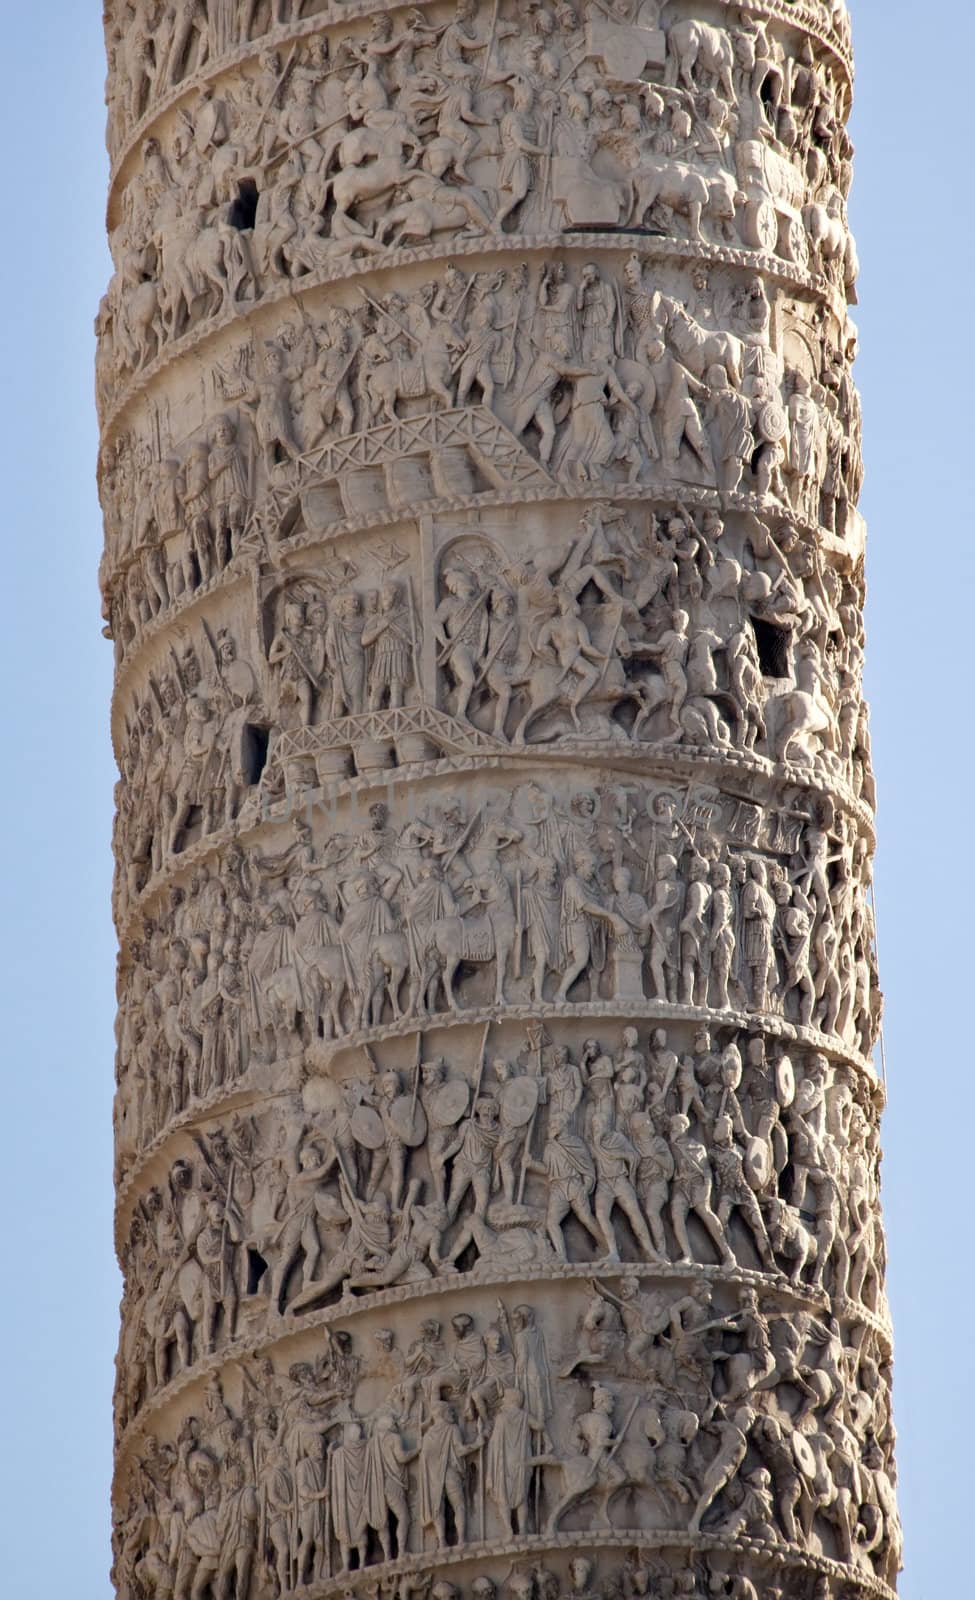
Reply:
x=433, y=1072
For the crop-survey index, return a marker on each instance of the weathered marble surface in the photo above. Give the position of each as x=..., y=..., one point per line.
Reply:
x=497, y=1131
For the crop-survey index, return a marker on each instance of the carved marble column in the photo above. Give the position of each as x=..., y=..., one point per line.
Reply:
x=497, y=1132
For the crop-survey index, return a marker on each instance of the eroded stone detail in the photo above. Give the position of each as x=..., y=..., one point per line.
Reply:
x=496, y=1131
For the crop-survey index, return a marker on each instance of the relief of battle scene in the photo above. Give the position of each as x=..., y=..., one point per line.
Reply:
x=540, y=376
x=634, y=1407
x=420, y=127
x=505, y=895
x=503, y=1151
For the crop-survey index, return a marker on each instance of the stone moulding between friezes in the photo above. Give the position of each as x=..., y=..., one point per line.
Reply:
x=800, y=18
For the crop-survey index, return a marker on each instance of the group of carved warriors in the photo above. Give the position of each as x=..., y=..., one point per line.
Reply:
x=153, y=47
x=677, y=632
x=665, y=1409
x=600, y=385
x=197, y=742
x=608, y=380
x=175, y=524
x=529, y=904
x=718, y=1154
x=414, y=128
x=673, y=631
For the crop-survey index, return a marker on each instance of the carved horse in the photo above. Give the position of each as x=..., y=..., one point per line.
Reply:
x=479, y=939
x=803, y=715
x=423, y=376
x=692, y=44
x=430, y=207
x=384, y=169
x=700, y=348
x=673, y=184
x=193, y=266
x=388, y=965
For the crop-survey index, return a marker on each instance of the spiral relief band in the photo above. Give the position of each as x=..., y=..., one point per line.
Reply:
x=497, y=1134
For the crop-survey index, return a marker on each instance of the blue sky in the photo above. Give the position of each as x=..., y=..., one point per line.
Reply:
x=912, y=213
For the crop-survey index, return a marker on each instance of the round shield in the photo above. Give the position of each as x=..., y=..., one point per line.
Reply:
x=785, y=1082
x=780, y=1148
x=367, y=1128
x=773, y=424
x=519, y=1100
x=409, y=1121
x=804, y=1454
x=449, y=1103
x=806, y=1095
x=758, y=1163
x=320, y=1096
x=190, y=1281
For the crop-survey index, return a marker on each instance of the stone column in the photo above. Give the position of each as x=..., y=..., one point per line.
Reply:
x=497, y=1134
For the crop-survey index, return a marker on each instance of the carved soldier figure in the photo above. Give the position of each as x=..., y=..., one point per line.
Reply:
x=758, y=951
x=345, y=651
x=442, y=1454
x=691, y=1191
x=290, y=652
x=388, y=634
x=347, y=1493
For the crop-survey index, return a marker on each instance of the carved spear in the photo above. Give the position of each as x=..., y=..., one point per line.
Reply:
x=623, y=1431
x=389, y=317
x=527, y=1152
x=414, y=643
x=224, y=1227
x=275, y=91
x=416, y=1073
x=480, y=1070
x=484, y=72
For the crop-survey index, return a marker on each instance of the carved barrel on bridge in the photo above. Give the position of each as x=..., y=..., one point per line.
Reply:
x=496, y=1126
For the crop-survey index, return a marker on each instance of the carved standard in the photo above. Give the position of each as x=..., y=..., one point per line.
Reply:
x=497, y=1135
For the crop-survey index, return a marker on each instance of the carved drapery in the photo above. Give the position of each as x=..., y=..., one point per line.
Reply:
x=497, y=1134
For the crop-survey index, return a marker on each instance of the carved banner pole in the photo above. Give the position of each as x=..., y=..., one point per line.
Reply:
x=497, y=1126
